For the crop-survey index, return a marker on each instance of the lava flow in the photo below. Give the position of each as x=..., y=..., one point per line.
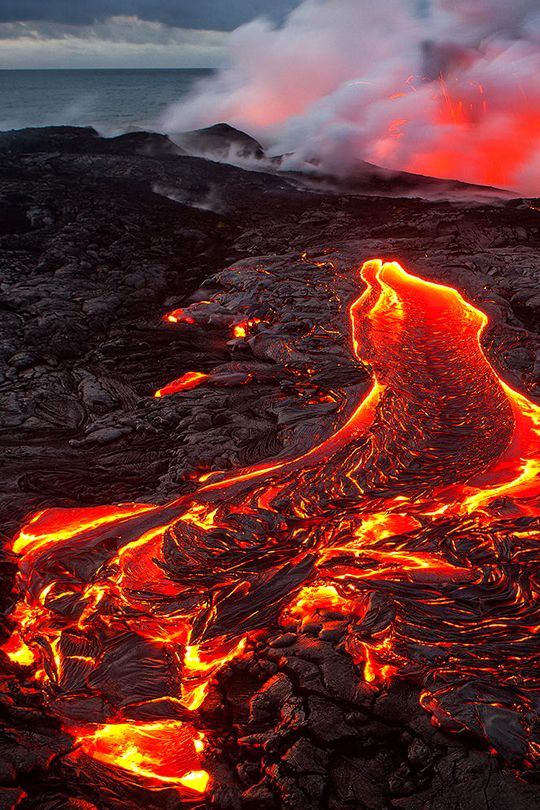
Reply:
x=418, y=517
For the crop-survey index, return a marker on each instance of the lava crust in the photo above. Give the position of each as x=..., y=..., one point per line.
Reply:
x=325, y=591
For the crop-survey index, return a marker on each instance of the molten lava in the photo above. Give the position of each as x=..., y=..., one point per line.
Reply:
x=184, y=383
x=421, y=510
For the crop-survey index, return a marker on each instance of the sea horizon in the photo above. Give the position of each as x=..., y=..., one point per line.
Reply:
x=112, y=100
x=118, y=69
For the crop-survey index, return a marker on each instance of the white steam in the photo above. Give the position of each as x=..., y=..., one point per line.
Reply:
x=443, y=87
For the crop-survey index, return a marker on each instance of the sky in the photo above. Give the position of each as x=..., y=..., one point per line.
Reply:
x=125, y=33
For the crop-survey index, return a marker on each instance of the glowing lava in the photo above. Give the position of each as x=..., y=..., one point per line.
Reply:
x=425, y=501
x=242, y=329
x=159, y=752
x=184, y=383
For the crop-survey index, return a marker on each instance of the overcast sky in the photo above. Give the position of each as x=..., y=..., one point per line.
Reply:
x=124, y=33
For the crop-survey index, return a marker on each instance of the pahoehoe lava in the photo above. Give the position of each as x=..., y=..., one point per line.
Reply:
x=418, y=517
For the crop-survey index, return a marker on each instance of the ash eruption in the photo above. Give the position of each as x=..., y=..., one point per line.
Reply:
x=450, y=89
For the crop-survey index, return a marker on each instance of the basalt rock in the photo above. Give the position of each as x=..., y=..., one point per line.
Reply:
x=102, y=238
x=221, y=142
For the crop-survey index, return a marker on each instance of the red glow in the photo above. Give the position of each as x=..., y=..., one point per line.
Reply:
x=179, y=316
x=19, y=652
x=184, y=383
x=476, y=135
x=417, y=497
x=242, y=329
x=159, y=752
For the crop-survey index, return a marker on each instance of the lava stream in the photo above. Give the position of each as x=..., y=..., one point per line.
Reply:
x=422, y=506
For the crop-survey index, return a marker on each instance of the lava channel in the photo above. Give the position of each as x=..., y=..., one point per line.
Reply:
x=422, y=506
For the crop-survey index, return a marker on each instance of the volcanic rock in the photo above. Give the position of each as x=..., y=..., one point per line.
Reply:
x=99, y=239
x=220, y=142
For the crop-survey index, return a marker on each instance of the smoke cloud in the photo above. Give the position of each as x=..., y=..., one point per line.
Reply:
x=449, y=88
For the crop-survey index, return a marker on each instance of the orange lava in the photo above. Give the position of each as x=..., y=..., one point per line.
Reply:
x=184, y=383
x=242, y=329
x=159, y=752
x=424, y=501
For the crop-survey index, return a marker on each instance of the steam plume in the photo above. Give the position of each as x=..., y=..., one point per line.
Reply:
x=443, y=87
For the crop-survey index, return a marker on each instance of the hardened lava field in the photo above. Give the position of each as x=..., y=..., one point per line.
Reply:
x=417, y=516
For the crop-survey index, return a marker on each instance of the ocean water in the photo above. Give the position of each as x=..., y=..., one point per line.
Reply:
x=112, y=101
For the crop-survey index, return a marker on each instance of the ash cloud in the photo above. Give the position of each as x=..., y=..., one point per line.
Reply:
x=449, y=88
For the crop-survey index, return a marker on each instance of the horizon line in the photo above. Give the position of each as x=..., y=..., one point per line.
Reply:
x=202, y=67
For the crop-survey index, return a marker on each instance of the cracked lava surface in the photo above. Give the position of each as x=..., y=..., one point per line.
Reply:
x=428, y=492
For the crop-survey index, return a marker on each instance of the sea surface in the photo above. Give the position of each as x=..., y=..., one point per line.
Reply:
x=112, y=101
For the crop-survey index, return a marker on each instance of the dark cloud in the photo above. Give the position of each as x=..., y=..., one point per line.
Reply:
x=222, y=15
